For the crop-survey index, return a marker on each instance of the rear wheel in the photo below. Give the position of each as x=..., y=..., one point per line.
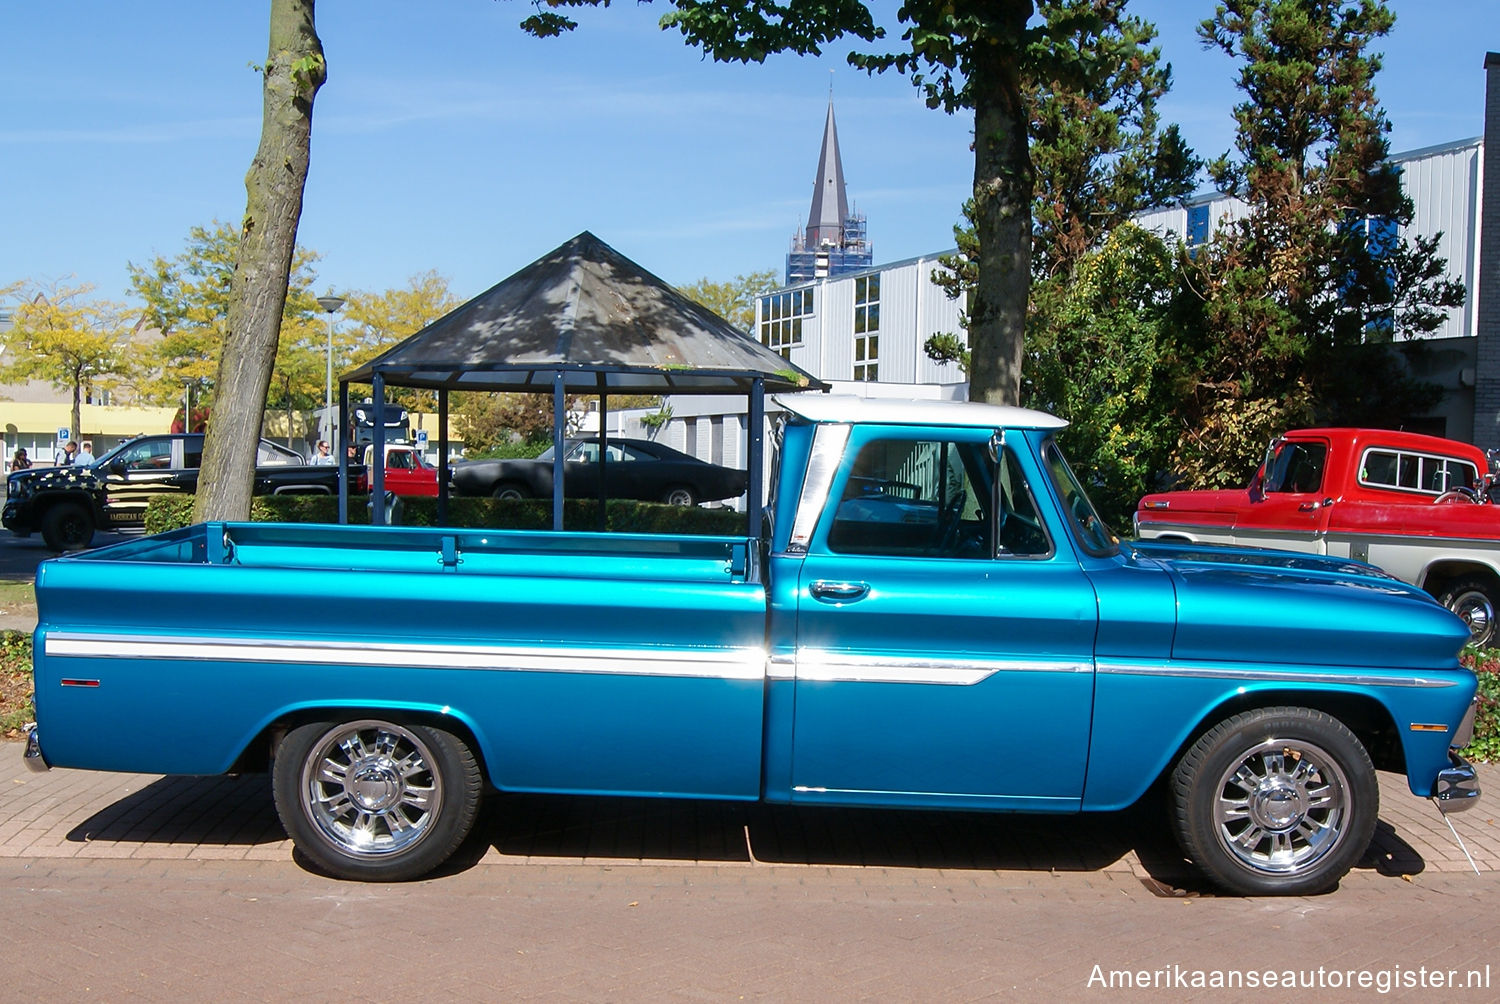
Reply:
x=1475, y=600
x=375, y=800
x=1278, y=801
x=67, y=526
x=509, y=490
x=679, y=495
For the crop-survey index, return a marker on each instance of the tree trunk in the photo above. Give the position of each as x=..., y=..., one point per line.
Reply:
x=1002, y=221
x=268, y=234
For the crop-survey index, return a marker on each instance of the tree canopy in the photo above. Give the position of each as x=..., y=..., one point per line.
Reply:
x=1292, y=301
x=62, y=335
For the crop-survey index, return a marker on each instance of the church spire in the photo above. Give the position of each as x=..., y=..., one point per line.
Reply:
x=834, y=242
x=830, y=203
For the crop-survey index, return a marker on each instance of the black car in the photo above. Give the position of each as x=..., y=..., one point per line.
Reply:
x=67, y=504
x=633, y=469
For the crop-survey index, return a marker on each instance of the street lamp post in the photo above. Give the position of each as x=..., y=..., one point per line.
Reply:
x=330, y=305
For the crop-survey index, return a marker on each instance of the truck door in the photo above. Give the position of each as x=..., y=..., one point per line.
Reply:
x=1292, y=508
x=933, y=667
x=146, y=468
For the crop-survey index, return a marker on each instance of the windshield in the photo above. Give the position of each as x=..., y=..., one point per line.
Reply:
x=1093, y=536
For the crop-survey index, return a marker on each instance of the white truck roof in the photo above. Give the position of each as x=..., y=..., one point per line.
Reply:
x=908, y=411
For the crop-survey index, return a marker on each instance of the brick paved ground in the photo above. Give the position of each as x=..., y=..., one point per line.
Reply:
x=129, y=886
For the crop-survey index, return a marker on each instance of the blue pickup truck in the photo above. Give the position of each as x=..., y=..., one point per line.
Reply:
x=935, y=617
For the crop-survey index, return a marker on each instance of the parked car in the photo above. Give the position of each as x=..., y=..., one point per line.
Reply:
x=67, y=504
x=1416, y=506
x=633, y=469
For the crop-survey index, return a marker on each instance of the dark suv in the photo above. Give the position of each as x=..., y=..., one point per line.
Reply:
x=67, y=504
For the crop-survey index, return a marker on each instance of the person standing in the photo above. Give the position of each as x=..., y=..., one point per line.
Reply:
x=20, y=461
x=69, y=453
x=321, y=457
x=86, y=453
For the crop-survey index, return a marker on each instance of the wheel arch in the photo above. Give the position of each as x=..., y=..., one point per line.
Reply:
x=260, y=749
x=1362, y=713
x=43, y=501
x=1443, y=572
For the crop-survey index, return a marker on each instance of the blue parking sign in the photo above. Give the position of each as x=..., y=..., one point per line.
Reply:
x=62, y=435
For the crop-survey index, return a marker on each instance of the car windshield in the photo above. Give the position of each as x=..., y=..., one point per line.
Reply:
x=1093, y=535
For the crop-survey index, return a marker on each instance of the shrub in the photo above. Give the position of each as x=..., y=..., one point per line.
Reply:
x=1486, y=665
x=16, y=707
x=622, y=515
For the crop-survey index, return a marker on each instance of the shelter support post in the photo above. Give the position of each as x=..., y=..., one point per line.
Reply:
x=377, y=452
x=340, y=437
x=559, y=429
x=603, y=459
x=442, y=505
x=755, y=455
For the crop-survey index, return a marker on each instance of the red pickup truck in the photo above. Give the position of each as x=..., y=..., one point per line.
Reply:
x=1416, y=506
x=406, y=472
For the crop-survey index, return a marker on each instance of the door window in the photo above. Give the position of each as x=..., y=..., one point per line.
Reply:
x=148, y=455
x=1297, y=468
x=931, y=498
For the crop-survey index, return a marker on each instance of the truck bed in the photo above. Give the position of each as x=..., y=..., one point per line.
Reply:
x=613, y=654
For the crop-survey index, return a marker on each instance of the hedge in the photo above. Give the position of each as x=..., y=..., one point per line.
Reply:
x=170, y=512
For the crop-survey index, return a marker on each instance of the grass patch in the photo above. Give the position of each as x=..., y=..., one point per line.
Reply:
x=16, y=708
x=16, y=593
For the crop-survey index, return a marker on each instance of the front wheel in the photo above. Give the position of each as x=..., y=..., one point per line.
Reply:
x=1278, y=801
x=1475, y=600
x=67, y=526
x=509, y=491
x=679, y=495
x=375, y=800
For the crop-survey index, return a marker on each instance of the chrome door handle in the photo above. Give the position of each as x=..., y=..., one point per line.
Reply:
x=839, y=592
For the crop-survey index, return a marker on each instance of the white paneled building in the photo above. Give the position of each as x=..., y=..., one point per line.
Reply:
x=866, y=326
x=1443, y=183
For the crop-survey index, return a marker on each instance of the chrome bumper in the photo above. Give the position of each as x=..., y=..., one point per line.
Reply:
x=1457, y=787
x=33, y=755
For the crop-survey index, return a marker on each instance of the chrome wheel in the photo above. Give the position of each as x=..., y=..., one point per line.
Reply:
x=1282, y=807
x=679, y=496
x=370, y=788
x=1278, y=801
x=1475, y=608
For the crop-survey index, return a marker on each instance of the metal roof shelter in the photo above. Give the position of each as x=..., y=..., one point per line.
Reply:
x=582, y=319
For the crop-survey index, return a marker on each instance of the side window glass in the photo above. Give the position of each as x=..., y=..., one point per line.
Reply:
x=1297, y=468
x=151, y=455
x=1022, y=531
x=1425, y=473
x=915, y=498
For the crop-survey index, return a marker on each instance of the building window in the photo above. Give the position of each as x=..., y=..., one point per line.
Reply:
x=781, y=316
x=867, y=327
x=1197, y=225
x=1371, y=285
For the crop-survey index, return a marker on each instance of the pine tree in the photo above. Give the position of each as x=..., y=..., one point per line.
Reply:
x=1292, y=295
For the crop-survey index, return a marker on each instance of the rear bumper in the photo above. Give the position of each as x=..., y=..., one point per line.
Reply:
x=33, y=755
x=1457, y=786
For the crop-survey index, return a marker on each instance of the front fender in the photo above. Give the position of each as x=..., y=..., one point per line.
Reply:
x=1148, y=714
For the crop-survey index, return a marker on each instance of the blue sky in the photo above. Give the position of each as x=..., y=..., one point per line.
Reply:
x=445, y=139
